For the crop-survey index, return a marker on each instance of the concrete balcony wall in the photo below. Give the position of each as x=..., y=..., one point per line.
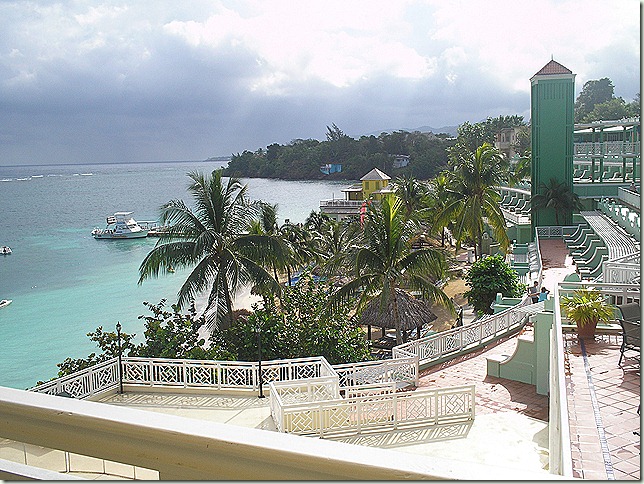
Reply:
x=185, y=449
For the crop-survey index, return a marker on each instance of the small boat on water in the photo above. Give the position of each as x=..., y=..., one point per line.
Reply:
x=121, y=225
x=5, y=303
x=5, y=250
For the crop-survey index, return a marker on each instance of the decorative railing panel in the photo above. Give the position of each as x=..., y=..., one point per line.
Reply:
x=402, y=368
x=392, y=410
x=606, y=148
x=161, y=372
x=88, y=382
x=452, y=342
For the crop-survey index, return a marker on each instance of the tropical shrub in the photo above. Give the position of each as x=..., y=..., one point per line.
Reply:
x=301, y=326
x=486, y=278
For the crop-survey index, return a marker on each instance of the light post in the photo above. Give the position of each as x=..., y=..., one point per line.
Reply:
x=258, y=330
x=118, y=339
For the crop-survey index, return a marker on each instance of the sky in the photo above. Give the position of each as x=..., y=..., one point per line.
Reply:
x=126, y=81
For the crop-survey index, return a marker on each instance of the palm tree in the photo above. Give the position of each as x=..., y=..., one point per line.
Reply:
x=411, y=192
x=557, y=196
x=473, y=195
x=384, y=262
x=437, y=200
x=333, y=241
x=213, y=241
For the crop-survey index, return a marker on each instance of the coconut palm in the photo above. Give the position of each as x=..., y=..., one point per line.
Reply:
x=557, y=196
x=437, y=200
x=384, y=262
x=213, y=241
x=411, y=192
x=473, y=196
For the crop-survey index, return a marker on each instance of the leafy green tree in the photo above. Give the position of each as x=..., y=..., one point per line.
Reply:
x=384, y=261
x=168, y=334
x=107, y=342
x=486, y=278
x=615, y=108
x=594, y=92
x=473, y=196
x=214, y=242
x=556, y=196
x=523, y=168
x=302, y=326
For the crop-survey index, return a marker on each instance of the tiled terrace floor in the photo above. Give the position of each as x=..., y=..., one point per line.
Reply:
x=603, y=399
x=493, y=394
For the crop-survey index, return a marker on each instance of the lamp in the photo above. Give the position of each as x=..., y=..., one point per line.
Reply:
x=258, y=330
x=118, y=339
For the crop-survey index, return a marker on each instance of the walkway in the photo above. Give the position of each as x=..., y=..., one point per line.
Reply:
x=617, y=241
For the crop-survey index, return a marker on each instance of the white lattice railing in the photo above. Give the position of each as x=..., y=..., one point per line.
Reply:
x=383, y=411
x=555, y=232
x=622, y=270
x=85, y=383
x=403, y=368
x=176, y=373
x=454, y=341
x=608, y=148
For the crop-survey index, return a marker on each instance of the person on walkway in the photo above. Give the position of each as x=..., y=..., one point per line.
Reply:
x=533, y=292
x=543, y=295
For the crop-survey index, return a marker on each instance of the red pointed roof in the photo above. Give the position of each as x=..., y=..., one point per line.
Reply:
x=551, y=68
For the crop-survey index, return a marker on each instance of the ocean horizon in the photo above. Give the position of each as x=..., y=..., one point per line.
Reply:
x=64, y=283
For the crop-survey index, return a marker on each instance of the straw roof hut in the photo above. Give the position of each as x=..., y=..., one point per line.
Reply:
x=414, y=313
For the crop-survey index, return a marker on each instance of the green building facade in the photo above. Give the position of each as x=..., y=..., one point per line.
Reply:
x=552, y=118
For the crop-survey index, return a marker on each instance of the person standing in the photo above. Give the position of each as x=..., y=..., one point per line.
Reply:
x=533, y=292
x=543, y=295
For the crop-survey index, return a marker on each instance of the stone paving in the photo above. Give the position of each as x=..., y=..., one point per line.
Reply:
x=603, y=403
x=493, y=394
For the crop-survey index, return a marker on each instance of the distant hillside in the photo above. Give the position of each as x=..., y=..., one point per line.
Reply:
x=451, y=130
x=302, y=159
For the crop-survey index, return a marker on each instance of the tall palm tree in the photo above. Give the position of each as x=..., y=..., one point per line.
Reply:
x=384, y=262
x=213, y=241
x=333, y=242
x=437, y=200
x=474, y=198
x=411, y=192
x=556, y=196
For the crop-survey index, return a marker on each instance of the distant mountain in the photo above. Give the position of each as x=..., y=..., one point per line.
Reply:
x=451, y=130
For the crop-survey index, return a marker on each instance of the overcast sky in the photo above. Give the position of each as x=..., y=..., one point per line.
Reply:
x=89, y=81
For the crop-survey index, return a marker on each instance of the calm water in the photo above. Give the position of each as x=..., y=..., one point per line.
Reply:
x=63, y=283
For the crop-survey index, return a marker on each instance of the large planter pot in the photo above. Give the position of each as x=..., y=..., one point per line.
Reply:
x=587, y=331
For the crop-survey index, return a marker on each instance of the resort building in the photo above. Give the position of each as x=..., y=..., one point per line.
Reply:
x=514, y=395
x=372, y=186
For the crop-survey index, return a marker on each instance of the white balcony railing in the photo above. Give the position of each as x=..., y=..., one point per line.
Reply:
x=454, y=341
x=302, y=408
x=606, y=148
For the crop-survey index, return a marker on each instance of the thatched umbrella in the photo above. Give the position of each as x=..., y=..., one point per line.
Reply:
x=414, y=313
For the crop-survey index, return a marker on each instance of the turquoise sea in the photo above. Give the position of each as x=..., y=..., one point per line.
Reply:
x=63, y=283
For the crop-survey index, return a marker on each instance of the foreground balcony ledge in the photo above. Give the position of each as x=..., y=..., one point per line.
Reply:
x=183, y=448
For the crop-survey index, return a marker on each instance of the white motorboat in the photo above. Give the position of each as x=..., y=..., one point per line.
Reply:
x=121, y=225
x=5, y=303
x=5, y=250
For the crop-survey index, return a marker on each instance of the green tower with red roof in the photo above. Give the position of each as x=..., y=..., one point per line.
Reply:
x=552, y=119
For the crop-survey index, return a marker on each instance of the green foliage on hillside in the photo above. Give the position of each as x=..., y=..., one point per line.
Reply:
x=301, y=158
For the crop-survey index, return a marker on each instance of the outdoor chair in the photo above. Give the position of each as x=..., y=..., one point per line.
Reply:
x=630, y=312
x=631, y=334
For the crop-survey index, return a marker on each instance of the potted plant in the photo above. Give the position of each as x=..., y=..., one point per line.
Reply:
x=587, y=307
